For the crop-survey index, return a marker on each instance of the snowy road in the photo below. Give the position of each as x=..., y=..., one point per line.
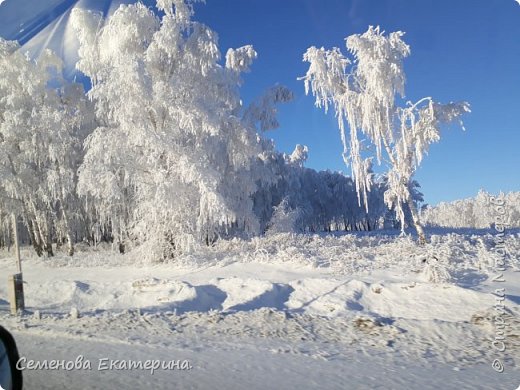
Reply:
x=242, y=366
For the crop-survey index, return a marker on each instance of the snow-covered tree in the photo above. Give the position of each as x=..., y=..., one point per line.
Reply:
x=363, y=93
x=41, y=121
x=173, y=160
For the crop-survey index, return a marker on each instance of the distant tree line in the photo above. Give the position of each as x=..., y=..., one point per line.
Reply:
x=478, y=212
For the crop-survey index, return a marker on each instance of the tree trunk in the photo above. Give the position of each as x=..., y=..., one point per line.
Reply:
x=416, y=221
x=34, y=235
x=45, y=234
x=68, y=234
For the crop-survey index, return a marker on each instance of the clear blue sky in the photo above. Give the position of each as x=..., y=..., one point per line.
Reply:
x=461, y=50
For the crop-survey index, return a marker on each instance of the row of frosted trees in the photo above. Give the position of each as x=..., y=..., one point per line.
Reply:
x=478, y=212
x=159, y=155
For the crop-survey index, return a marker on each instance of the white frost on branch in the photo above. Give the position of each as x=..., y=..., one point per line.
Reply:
x=299, y=155
x=264, y=110
x=241, y=59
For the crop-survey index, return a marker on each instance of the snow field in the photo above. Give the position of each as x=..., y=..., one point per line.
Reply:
x=302, y=291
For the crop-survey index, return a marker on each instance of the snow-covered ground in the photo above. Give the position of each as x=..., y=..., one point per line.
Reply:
x=359, y=311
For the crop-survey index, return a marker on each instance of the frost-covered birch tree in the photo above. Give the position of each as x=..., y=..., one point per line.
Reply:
x=41, y=118
x=362, y=91
x=170, y=164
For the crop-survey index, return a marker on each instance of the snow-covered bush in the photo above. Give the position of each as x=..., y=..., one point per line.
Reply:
x=435, y=271
x=284, y=219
